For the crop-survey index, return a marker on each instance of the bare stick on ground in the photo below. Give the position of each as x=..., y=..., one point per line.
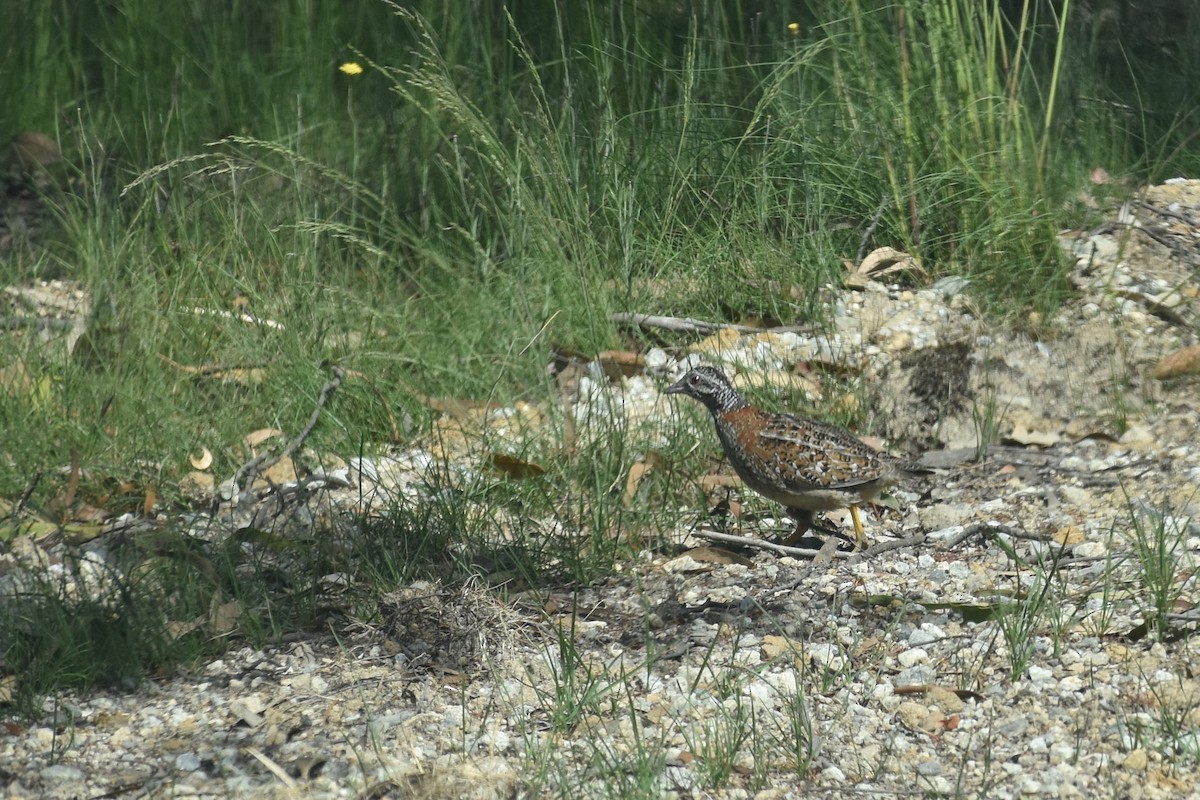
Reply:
x=824, y=552
x=690, y=325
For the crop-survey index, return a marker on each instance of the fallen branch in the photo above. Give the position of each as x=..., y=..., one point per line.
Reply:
x=763, y=544
x=824, y=553
x=886, y=547
x=689, y=325
x=991, y=528
x=263, y=462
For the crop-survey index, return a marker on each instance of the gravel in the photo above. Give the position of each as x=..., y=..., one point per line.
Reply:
x=945, y=669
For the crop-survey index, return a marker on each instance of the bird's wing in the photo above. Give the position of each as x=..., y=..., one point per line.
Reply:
x=812, y=454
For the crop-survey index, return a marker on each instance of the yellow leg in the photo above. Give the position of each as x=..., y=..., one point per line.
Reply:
x=860, y=538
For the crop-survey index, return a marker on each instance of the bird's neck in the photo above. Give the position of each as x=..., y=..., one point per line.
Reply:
x=730, y=401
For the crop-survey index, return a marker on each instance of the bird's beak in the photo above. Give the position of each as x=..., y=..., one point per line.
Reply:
x=675, y=388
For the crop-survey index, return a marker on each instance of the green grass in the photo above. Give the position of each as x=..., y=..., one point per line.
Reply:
x=489, y=190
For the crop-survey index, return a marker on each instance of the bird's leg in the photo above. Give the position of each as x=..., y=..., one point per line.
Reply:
x=804, y=521
x=860, y=538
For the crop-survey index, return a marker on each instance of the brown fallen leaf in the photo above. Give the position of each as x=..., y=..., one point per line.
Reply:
x=720, y=341
x=255, y=438
x=637, y=473
x=620, y=363
x=89, y=513
x=1185, y=361
x=1069, y=534
x=223, y=617
x=202, y=461
x=879, y=262
x=246, y=376
x=15, y=380
x=177, y=629
x=1088, y=428
x=717, y=555
x=1025, y=436
x=516, y=468
x=710, y=483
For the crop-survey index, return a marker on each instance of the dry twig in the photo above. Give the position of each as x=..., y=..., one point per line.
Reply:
x=265, y=461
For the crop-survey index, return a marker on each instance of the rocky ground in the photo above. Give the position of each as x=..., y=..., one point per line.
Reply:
x=1023, y=625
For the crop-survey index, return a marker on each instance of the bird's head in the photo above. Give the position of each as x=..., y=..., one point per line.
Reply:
x=710, y=386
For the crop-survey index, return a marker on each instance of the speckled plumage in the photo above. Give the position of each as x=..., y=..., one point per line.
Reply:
x=807, y=465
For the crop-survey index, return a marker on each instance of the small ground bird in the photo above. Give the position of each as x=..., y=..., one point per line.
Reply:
x=807, y=465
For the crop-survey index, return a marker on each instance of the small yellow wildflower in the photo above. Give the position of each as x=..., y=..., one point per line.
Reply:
x=350, y=68
x=794, y=28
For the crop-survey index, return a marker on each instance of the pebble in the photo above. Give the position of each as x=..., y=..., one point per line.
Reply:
x=833, y=774
x=187, y=762
x=912, y=657
x=1090, y=550
x=927, y=633
x=61, y=773
x=919, y=674
x=622, y=686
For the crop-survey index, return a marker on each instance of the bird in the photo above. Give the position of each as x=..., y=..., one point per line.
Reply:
x=806, y=465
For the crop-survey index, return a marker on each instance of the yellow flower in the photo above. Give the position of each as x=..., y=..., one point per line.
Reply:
x=794, y=28
x=350, y=68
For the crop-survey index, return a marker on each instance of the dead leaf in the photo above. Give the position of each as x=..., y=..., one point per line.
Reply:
x=637, y=473
x=620, y=363
x=308, y=767
x=1087, y=428
x=710, y=483
x=89, y=513
x=1024, y=436
x=1185, y=361
x=150, y=501
x=15, y=380
x=515, y=468
x=223, y=618
x=720, y=341
x=879, y=262
x=259, y=436
x=246, y=376
x=774, y=646
x=7, y=684
x=825, y=555
x=1069, y=534
x=202, y=461
x=248, y=711
x=717, y=555
x=177, y=629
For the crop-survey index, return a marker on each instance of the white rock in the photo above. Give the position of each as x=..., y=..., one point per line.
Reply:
x=832, y=773
x=1090, y=549
x=657, y=359
x=1039, y=674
